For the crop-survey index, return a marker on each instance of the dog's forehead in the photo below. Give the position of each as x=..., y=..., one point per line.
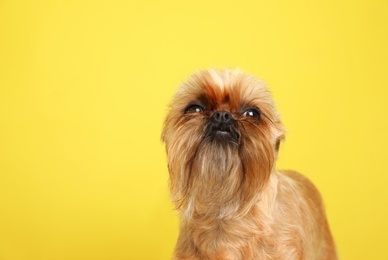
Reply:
x=216, y=95
x=229, y=88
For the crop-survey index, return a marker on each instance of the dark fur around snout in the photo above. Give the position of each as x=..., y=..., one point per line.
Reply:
x=222, y=128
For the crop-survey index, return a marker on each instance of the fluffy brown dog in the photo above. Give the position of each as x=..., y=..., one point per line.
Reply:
x=222, y=136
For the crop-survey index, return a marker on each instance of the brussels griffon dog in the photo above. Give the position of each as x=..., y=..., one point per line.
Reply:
x=222, y=136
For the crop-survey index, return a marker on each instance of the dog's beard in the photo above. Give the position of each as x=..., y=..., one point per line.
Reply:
x=216, y=174
x=219, y=173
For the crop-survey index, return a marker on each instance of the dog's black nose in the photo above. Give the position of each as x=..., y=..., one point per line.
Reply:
x=221, y=117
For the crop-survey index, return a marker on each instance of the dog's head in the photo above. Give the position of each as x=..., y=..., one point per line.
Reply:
x=222, y=134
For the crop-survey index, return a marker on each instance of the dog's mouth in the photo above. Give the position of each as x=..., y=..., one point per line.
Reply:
x=222, y=134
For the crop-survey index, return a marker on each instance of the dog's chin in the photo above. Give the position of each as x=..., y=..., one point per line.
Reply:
x=223, y=137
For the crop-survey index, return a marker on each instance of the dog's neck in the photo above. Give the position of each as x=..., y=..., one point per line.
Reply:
x=230, y=224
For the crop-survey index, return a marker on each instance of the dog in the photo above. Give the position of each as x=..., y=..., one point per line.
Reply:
x=222, y=135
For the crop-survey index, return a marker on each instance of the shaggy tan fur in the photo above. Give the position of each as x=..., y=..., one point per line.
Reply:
x=233, y=203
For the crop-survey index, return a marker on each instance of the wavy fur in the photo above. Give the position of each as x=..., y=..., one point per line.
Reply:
x=232, y=201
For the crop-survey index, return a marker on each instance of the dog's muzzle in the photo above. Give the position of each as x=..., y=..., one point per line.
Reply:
x=222, y=127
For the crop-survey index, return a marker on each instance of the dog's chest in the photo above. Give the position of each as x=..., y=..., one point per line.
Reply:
x=237, y=240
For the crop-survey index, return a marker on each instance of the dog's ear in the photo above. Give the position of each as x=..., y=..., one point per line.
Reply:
x=277, y=146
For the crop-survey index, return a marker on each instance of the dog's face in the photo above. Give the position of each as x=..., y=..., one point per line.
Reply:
x=222, y=134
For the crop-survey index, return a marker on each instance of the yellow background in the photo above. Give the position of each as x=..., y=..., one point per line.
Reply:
x=84, y=87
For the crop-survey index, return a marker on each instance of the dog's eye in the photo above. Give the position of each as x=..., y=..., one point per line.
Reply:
x=193, y=109
x=253, y=113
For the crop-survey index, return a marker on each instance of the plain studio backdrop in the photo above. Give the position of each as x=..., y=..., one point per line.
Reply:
x=84, y=89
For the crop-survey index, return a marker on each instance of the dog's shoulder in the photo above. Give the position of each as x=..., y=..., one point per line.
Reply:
x=297, y=179
x=300, y=184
